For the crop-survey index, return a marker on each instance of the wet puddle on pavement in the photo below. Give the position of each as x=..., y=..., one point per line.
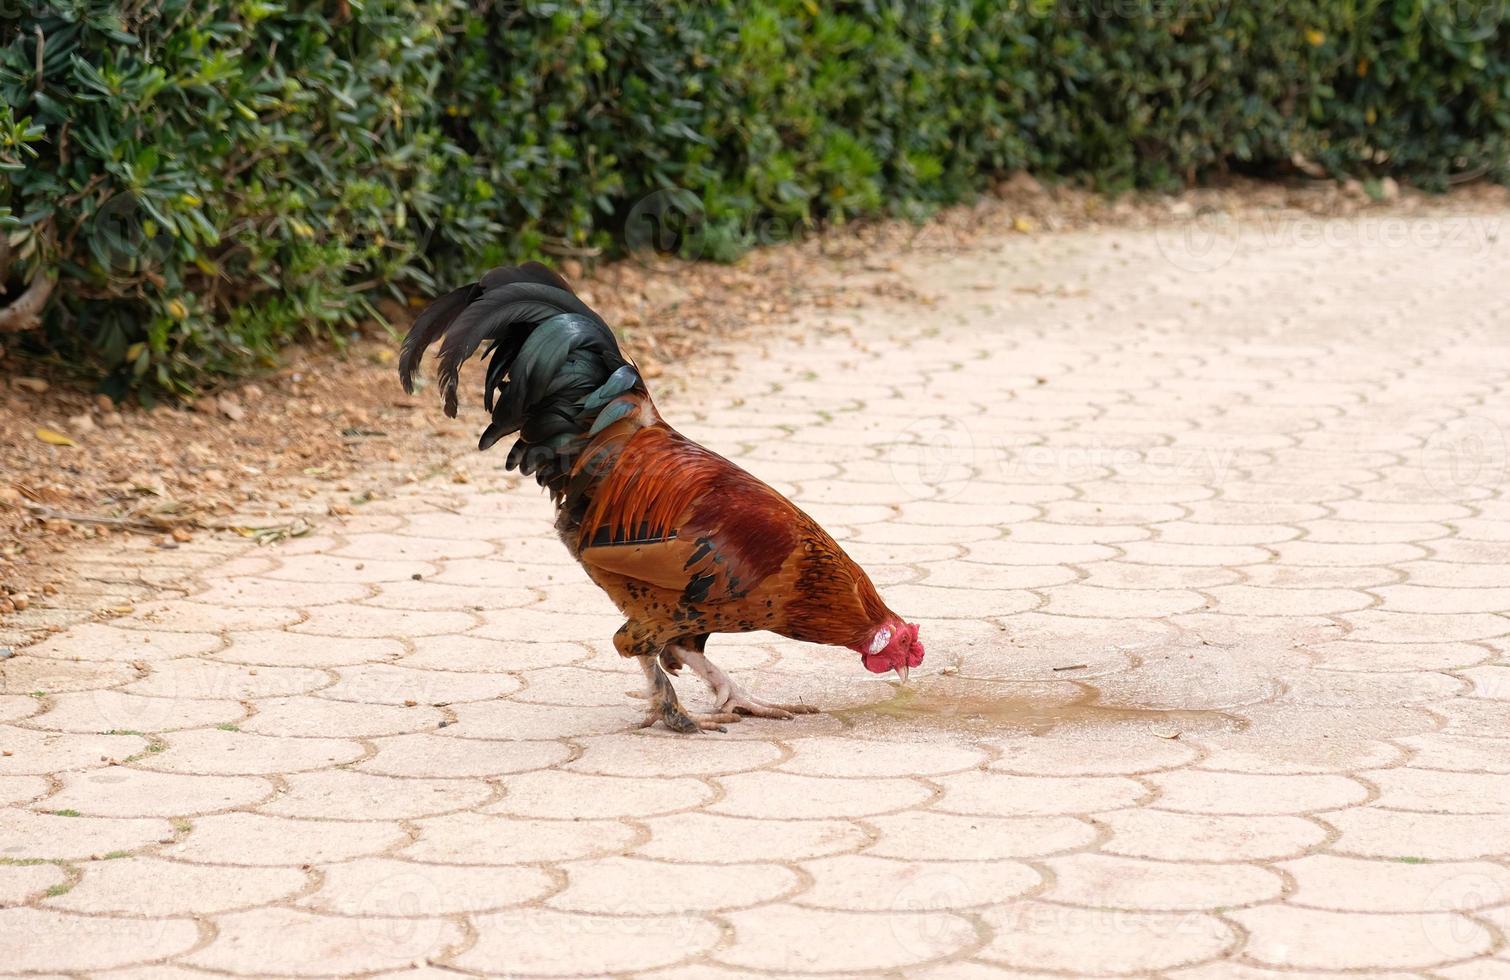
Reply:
x=965, y=707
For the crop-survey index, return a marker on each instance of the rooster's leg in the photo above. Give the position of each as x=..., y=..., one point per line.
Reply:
x=729, y=696
x=667, y=709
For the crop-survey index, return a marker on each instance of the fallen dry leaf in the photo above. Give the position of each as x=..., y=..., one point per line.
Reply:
x=54, y=438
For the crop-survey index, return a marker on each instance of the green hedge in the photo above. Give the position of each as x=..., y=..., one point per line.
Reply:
x=207, y=179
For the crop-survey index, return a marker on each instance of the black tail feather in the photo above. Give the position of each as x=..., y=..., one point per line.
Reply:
x=553, y=364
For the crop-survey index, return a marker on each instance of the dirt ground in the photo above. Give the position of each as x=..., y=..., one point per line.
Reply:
x=330, y=430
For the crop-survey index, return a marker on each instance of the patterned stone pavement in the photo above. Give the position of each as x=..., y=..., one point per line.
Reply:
x=1207, y=529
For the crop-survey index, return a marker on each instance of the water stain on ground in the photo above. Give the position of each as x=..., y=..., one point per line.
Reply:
x=962, y=707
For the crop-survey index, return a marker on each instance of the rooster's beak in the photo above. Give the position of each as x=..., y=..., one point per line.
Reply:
x=902, y=673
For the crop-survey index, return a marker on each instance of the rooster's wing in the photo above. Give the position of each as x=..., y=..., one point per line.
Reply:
x=688, y=521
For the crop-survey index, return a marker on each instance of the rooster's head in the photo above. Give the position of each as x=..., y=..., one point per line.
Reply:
x=893, y=646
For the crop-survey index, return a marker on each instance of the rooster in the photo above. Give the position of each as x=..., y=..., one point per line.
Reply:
x=683, y=541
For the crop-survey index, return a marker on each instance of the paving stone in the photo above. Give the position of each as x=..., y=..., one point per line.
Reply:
x=343, y=794
x=515, y=719
x=45, y=675
x=294, y=650
x=181, y=615
x=1084, y=941
x=805, y=940
x=422, y=756
x=217, y=751
x=1285, y=936
x=43, y=753
x=1170, y=836
x=115, y=711
x=1436, y=750
x=100, y=641
x=36, y=940
x=298, y=943
x=771, y=794
x=1284, y=756
x=350, y=619
x=616, y=886
x=21, y=789
x=1048, y=756
x=262, y=840
x=1414, y=836
x=933, y=836
x=299, y=716
x=718, y=839
x=996, y=794
x=563, y=795
x=28, y=835
x=1435, y=791
x=392, y=684
x=120, y=791
x=849, y=757
x=406, y=889
x=1212, y=792
x=1097, y=880
x=541, y=941
x=152, y=887
x=20, y=883
x=329, y=568
x=473, y=838
x=209, y=680
x=650, y=755
x=863, y=882
x=477, y=653
x=15, y=707
x=1351, y=884
x=249, y=590
x=419, y=594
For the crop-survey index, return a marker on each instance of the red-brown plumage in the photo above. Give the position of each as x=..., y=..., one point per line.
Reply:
x=683, y=541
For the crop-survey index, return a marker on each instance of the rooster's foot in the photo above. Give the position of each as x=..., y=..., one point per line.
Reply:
x=676, y=718
x=666, y=709
x=732, y=699
x=742, y=703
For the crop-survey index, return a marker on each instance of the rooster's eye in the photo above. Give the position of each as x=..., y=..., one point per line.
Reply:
x=879, y=641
